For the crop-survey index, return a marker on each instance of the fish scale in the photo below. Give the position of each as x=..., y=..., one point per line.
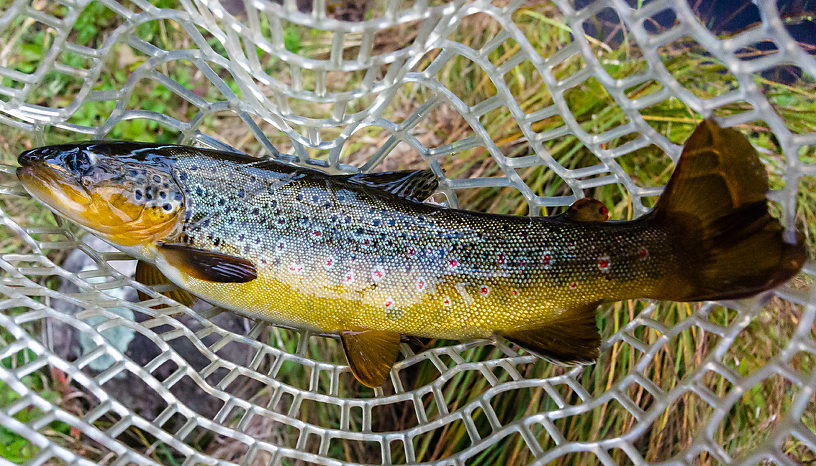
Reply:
x=401, y=266
x=359, y=255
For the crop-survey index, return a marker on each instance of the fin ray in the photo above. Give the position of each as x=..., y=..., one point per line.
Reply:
x=211, y=266
x=370, y=354
x=572, y=338
x=416, y=185
x=715, y=210
x=149, y=275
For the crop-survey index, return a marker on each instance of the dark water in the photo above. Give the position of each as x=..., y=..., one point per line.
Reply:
x=724, y=18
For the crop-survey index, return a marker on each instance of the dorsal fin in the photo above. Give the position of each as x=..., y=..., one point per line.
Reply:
x=415, y=185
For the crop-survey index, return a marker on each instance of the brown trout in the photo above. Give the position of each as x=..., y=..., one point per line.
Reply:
x=362, y=256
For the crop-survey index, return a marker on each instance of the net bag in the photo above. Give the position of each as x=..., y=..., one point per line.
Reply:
x=520, y=108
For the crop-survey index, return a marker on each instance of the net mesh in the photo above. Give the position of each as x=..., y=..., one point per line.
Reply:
x=152, y=381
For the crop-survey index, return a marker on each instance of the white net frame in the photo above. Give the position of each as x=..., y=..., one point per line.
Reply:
x=100, y=304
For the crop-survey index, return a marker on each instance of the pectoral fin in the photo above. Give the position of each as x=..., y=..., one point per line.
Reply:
x=572, y=338
x=370, y=354
x=211, y=266
x=148, y=274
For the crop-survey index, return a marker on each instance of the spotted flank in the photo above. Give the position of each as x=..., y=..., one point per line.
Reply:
x=362, y=256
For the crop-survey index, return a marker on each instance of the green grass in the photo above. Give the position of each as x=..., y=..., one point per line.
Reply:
x=750, y=419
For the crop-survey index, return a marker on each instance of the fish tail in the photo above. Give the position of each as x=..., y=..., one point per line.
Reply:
x=715, y=211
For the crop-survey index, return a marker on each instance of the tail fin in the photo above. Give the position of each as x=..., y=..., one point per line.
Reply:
x=715, y=209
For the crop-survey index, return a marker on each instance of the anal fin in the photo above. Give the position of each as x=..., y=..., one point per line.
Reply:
x=370, y=354
x=571, y=338
x=149, y=274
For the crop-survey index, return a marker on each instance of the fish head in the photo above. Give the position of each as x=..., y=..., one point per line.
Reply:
x=124, y=192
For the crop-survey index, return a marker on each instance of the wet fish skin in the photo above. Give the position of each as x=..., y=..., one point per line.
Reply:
x=360, y=256
x=336, y=255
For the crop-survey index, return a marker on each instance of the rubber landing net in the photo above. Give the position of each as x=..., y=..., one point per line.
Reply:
x=147, y=381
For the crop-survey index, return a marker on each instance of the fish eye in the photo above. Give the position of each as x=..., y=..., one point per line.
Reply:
x=79, y=161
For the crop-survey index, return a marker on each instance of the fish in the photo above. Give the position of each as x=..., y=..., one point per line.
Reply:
x=363, y=257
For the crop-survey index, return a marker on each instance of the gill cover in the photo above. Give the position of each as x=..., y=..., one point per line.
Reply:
x=122, y=191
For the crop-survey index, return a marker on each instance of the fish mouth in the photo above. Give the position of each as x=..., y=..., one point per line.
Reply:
x=53, y=187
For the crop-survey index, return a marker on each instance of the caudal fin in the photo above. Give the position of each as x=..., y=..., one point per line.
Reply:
x=715, y=210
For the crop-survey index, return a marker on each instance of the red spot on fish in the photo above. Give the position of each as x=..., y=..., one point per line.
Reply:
x=546, y=259
x=573, y=285
x=328, y=263
x=365, y=242
x=514, y=292
x=280, y=246
x=412, y=251
x=523, y=263
x=484, y=290
x=389, y=303
x=643, y=253
x=446, y=302
x=377, y=274
x=500, y=259
x=317, y=233
x=296, y=268
x=420, y=284
x=349, y=278
x=603, y=264
x=453, y=264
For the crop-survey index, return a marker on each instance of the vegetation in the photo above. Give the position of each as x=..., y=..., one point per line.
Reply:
x=747, y=423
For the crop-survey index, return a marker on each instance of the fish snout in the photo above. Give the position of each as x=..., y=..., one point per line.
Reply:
x=29, y=158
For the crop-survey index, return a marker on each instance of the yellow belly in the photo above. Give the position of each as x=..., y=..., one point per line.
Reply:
x=450, y=309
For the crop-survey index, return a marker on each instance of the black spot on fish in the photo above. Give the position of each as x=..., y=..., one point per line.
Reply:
x=156, y=179
x=273, y=203
x=257, y=240
x=376, y=222
x=231, y=220
x=241, y=237
x=199, y=191
x=167, y=207
x=163, y=195
x=246, y=249
x=177, y=196
x=183, y=176
x=255, y=211
x=133, y=172
x=138, y=195
x=392, y=222
x=241, y=193
x=216, y=242
x=149, y=196
x=193, y=167
x=300, y=197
